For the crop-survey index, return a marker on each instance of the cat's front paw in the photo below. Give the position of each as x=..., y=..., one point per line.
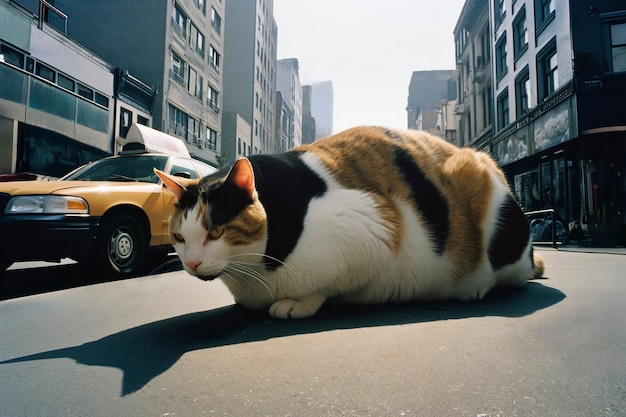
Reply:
x=292, y=309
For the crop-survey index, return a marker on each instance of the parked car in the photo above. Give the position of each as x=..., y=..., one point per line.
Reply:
x=113, y=212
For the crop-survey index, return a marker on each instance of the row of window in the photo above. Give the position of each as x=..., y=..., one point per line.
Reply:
x=192, y=130
x=192, y=80
x=520, y=34
x=196, y=39
x=23, y=61
x=547, y=83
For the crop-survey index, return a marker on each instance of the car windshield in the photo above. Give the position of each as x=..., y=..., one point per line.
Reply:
x=126, y=168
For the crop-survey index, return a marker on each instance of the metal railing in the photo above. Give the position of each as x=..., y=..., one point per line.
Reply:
x=545, y=214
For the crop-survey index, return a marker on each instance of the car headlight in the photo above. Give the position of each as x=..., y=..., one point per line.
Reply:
x=47, y=204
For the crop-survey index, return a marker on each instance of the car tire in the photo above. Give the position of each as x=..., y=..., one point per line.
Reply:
x=121, y=245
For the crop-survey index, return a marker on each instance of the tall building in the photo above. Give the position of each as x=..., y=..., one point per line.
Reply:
x=308, y=122
x=427, y=91
x=60, y=104
x=250, y=69
x=558, y=72
x=474, y=81
x=322, y=102
x=175, y=45
x=288, y=84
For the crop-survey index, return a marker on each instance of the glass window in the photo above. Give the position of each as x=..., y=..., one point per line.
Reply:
x=66, y=82
x=522, y=92
x=544, y=13
x=520, y=34
x=12, y=56
x=216, y=20
x=85, y=91
x=547, y=70
x=211, y=138
x=45, y=72
x=214, y=58
x=618, y=47
x=503, y=109
x=177, y=69
x=179, y=20
x=126, y=119
x=183, y=168
x=501, y=67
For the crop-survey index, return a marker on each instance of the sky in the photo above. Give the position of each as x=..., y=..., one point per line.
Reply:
x=368, y=49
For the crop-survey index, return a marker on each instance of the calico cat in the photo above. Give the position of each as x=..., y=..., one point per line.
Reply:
x=369, y=215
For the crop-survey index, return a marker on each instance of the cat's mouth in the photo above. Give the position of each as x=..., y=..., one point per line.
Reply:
x=209, y=277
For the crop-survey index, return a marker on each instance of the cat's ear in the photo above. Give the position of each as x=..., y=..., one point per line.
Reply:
x=242, y=175
x=176, y=185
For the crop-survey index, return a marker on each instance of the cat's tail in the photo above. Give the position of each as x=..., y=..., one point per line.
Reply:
x=538, y=266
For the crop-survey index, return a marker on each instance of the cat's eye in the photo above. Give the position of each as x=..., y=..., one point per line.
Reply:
x=216, y=232
x=177, y=237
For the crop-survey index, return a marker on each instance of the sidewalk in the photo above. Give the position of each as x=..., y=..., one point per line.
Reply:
x=584, y=249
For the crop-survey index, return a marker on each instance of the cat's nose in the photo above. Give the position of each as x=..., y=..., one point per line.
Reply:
x=193, y=264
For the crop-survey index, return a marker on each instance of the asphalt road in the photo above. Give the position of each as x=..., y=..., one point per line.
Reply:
x=172, y=345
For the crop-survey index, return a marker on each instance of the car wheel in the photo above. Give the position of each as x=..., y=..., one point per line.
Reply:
x=121, y=244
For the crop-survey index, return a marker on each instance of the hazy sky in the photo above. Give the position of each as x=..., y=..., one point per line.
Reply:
x=368, y=49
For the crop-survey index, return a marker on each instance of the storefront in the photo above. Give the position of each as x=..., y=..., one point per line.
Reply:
x=580, y=176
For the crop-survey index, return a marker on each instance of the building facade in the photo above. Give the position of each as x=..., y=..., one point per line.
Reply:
x=308, y=122
x=60, y=105
x=429, y=91
x=177, y=46
x=288, y=85
x=322, y=108
x=559, y=93
x=250, y=69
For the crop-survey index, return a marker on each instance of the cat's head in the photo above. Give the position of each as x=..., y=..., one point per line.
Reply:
x=218, y=221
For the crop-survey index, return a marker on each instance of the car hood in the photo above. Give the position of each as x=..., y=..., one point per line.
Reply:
x=74, y=187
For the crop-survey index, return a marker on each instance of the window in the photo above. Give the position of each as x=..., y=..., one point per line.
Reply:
x=194, y=85
x=177, y=70
x=618, y=47
x=184, y=168
x=501, y=67
x=202, y=6
x=126, y=119
x=214, y=58
x=66, y=82
x=12, y=56
x=544, y=13
x=503, y=109
x=85, y=92
x=177, y=121
x=216, y=20
x=522, y=93
x=196, y=40
x=213, y=99
x=179, y=20
x=547, y=70
x=193, y=131
x=211, y=139
x=101, y=99
x=520, y=34
x=499, y=7
x=45, y=72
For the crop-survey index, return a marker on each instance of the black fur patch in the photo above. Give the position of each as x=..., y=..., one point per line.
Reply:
x=510, y=237
x=431, y=204
x=392, y=135
x=285, y=186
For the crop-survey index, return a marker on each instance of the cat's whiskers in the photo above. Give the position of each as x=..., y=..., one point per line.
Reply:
x=270, y=258
x=241, y=270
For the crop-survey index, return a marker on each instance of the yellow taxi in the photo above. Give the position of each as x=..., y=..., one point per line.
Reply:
x=112, y=212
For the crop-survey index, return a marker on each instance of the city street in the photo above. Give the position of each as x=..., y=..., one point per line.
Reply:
x=172, y=345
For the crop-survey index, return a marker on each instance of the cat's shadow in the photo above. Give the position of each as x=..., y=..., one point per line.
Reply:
x=144, y=352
